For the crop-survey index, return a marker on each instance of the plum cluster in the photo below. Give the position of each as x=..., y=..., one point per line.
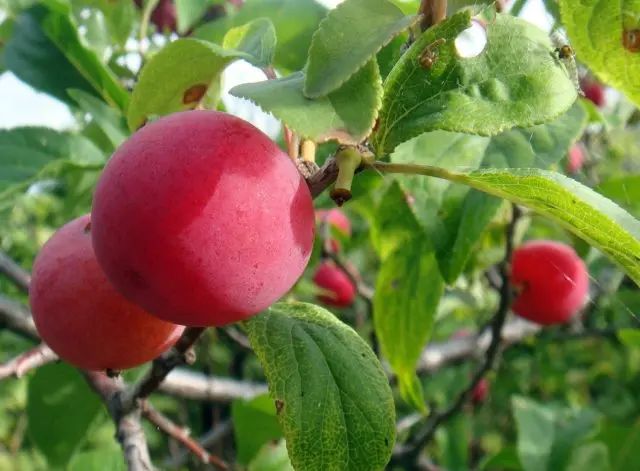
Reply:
x=198, y=219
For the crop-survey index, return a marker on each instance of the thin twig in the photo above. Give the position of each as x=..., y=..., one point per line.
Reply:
x=181, y=435
x=29, y=360
x=411, y=452
x=212, y=437
x=17, y=318
x=237, y=336
x=161, y=367
x=14, y=272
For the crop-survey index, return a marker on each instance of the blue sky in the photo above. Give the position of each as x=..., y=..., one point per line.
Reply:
x=21, y=105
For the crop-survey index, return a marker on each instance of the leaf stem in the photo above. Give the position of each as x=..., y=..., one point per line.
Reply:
x=308, y=151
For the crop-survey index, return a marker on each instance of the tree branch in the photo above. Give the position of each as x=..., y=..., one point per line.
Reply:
x=198, y=386
x=14, y=272
x=206, y=441
x=432, y=11
x=129, y=431
x=180, y=434
x=17, y=318
x=29, y=360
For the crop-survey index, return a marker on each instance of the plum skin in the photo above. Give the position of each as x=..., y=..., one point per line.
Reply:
x=332, y=278
x=575, y=159
x=552, y=279
x=81, y=317
x=335, y=218
x=202, y=220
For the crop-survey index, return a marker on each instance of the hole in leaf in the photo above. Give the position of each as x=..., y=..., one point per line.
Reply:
x=194, y=94
x=472, y=41
x=631, y=40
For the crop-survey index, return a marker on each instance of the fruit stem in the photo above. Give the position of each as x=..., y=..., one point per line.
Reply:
x=293, y=145
x=308, y=150
x=348, y=160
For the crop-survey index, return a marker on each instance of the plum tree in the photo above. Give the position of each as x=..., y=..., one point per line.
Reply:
x=331, y=278
x=202, y=220
x=575, y=158
x=81, y=316
x=552, y=281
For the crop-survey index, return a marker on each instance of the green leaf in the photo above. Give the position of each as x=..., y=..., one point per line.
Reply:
x=517, y=81
x=189, y=12
x=624, y=190
x=590, y=457
x=411, y=390
x=349, y=36
x=6, y=30
x=577, y=208
x=46, y=52
x=254, y=424
x=272, y=458
x=346, y=115
x=294, y=21
x=630, y=337
x=257, y=39
x=571, y=428
x=110, y=120
x=98, y=460
x=507, y=459
x=60, y=409
x=453, y=439
x=623, y=442
x=179, y=76
x=333, y=398
x=27, y=151
x=120, y=20
x=536, y=432
x=597, y=32
x=455, y=216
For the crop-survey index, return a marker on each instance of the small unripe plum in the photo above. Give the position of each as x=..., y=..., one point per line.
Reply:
x=575, y=158
x=481, y=391
x=331, y=278
x=164, y=15
x=335, y=218
x=81, y=316
x=552, y=280
x=202, y=220
x=593, y=91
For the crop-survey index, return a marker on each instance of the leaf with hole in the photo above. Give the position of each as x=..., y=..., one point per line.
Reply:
x=331, y=394
x=517, y=81
x=606, y=38
x=346, y=115
x=183, y=72
x=347, y=39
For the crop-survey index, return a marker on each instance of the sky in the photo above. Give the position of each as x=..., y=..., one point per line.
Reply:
x=21, y=105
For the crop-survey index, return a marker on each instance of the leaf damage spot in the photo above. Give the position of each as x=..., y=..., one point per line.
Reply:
x=279, y=406
x=631, y=39
x=194, y=94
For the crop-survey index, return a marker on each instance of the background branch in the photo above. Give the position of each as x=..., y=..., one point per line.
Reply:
x=14, y=272
x=432, y=11
x=31, y=359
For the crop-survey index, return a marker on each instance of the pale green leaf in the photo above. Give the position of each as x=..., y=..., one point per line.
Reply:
x=536, y=432
x=349, y=36
x=179, y=76
x=598, y=32
x=630, y=337
x=254, y=424
x=257, y=39
x=189, y=12
x=272, y=458
x=590, y=457
x=98, y=460
x=332, y=396
x=346, y=115
x=108, y=119
x=411, y=390
x=517, y=81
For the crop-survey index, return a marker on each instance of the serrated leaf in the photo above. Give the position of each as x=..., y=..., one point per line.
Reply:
x=179, y=76
x=346, y=115
x=456, y=216
x=110, y=120
x=46, y=52
x=605, y=38
x=254, y=424
x=60, y=409
x=579, y=209
x=536, y=432
x=333, y=398
x=294, y=20
x=517, y=81
x=349, y=36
